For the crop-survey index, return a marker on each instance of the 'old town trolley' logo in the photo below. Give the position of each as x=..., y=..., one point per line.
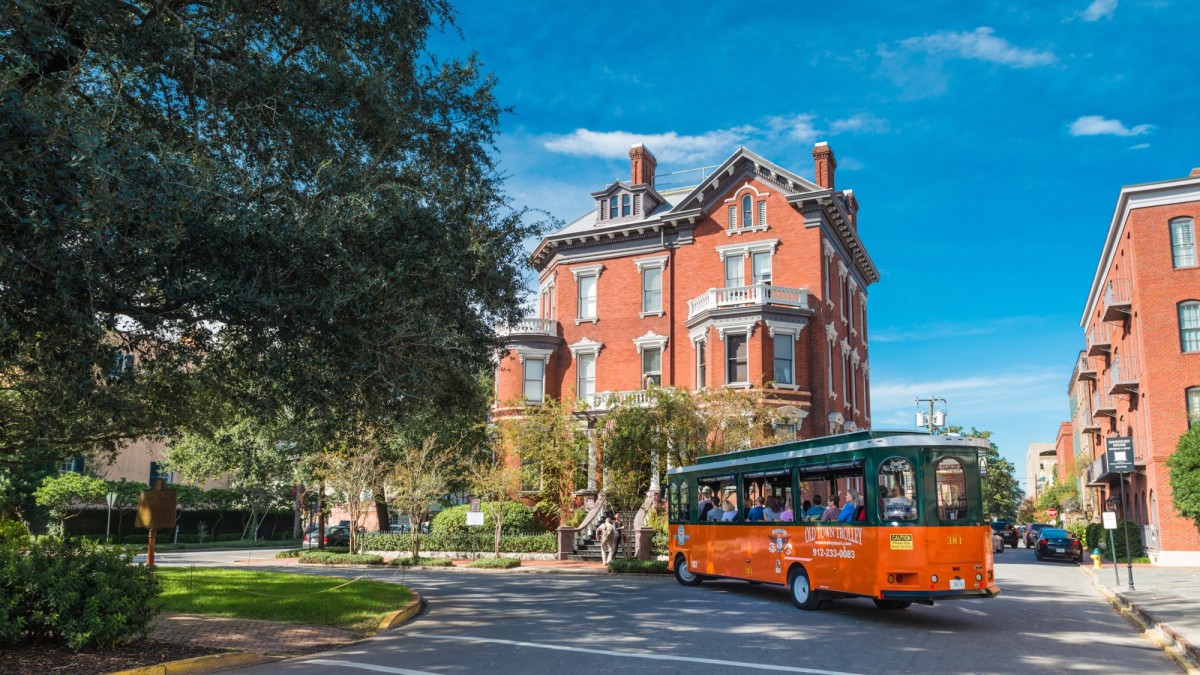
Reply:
x=781, y=542
x=822, y=534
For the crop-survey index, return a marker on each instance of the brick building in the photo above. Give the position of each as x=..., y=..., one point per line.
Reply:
x=754, y=277
x=1142, y=361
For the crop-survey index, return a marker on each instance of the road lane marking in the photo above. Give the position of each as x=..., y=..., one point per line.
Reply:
x=628, y=655
x=368, y=666
x=972, y=611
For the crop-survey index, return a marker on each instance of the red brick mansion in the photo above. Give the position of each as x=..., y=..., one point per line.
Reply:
x=755, y=277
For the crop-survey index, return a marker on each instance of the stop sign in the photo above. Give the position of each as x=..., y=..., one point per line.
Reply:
x=1052, y=512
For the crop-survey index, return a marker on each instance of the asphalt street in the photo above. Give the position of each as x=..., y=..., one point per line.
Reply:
x=1047, y=619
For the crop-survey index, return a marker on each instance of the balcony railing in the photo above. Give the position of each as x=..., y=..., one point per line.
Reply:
x=1124, y=374
x=1104, y=404
x=742, y=296
x=1099, y=339
x=607, y=400
x=1084, y=370
x=532, y=326
x=1118, y=299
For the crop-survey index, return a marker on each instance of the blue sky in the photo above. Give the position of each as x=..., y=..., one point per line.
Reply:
x=986, y=143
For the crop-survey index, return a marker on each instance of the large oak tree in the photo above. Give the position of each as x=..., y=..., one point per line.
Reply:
x=278, y=208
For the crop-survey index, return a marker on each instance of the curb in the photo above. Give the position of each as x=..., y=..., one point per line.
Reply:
x=200, y=664
x=403, y=614
x=1177, y=647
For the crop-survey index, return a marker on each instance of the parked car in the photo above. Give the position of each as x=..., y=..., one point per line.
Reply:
x=1055, y=543
x=334, y=536
x=1031, y=533
x=1006, y=530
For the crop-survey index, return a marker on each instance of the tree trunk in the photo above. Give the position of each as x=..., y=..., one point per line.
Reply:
x=381, y=510
x=321, y=516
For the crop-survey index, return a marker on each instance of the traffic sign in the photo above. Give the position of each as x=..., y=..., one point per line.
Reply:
x=1052, y=512
x=1110, y=519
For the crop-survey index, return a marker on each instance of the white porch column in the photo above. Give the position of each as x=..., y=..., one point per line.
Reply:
x=591, y=466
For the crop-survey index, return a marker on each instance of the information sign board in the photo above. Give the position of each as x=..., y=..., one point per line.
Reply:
x=474, y=518
x=1120, y=453
x=156, y=507
x=1110, y=519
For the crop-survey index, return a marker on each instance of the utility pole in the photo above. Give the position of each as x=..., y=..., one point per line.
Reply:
x=933, y=420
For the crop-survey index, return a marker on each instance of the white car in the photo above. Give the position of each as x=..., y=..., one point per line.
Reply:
x=997, y=543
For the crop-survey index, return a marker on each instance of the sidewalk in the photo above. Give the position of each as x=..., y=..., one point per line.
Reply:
x=1166, y=601
x=527, y=566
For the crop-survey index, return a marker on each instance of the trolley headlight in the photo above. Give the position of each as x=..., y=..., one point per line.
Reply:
x=933, y=578
x=978, y=577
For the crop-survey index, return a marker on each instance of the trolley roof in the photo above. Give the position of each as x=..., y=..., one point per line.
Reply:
x=827, y=445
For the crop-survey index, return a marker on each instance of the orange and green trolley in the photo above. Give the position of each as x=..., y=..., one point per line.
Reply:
x=893, y=516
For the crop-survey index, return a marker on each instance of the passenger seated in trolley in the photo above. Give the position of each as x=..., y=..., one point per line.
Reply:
x=898, y=506
x=728, y=511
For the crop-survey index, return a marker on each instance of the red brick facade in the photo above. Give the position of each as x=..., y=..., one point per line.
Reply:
x=1142, y=364
x=797, y=272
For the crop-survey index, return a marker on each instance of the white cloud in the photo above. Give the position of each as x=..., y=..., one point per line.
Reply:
x=1095, y=125
x=667, y=147
x=1139, y=146
x=1099, y=9
x=982, y=45
x=674, y=147
x=864, y=123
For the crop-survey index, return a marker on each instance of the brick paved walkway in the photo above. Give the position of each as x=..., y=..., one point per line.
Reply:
x=261, y=637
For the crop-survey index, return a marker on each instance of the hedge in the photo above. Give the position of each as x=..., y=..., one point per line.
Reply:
x=73, y=591
x=517, y=543
x=495, y=563
x=621, y=566
x=1096, y=534
x=452, y=522
x=659, y=546
x=423, y=562
x=326, y=558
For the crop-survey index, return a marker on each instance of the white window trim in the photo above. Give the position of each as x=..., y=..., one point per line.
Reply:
x=545, y=367
x=585, y=346
x=697, y=345
x=745, y=250
x=792, y=335
x=725, y=333
x=650, y=340
x=825, y=275
x=643, y=264
x=532, y=353
x=587, y=271
x=579, y=374
x=736, y=201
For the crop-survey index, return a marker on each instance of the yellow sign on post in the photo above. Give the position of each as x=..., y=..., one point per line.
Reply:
x=156, y=507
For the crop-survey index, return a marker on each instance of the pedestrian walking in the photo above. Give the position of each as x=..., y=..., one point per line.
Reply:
x=618, y=534
x=605, y=533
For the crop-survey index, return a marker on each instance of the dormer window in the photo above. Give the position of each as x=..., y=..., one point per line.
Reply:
x=625, y=205
x=612, y=207
x=747, y=211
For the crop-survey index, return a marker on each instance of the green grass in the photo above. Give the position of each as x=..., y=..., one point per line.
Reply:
x=273, y=596
x=621, y=566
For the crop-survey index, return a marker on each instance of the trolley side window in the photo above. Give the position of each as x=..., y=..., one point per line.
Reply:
x=828, y=488
x=767, y=495
x=951, y=490
x=722, y=495
x=897, y=490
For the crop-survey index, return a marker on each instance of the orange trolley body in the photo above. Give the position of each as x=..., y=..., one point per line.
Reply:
x=929, y=543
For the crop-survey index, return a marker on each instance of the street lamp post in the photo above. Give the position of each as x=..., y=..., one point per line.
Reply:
x=1125, y=527
x=112, y=499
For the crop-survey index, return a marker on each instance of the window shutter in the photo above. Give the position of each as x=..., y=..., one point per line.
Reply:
x=762, y=214
x=733, y=217
x=637, y=204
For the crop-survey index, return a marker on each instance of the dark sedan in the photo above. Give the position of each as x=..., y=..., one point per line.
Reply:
x=1031, y=533
x=1007, y=532
x=1056, y=543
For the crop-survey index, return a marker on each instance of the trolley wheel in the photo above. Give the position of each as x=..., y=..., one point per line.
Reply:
x=802, y=593
x=684, y=575
x=891, y=604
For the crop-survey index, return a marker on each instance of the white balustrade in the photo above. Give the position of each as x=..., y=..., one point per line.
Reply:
x=741, y=296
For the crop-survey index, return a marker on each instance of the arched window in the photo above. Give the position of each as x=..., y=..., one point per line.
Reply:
x=747, y=211
x=1189, y=326
x=1183, y=242
x=897, y=489
x=951, y=490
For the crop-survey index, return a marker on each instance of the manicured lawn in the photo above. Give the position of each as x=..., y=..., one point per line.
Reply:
x=274, y=596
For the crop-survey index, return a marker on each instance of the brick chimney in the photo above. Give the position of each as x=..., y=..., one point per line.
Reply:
x=1195, y=173
x=852, y=208
x=824, y=164
x=642, y=165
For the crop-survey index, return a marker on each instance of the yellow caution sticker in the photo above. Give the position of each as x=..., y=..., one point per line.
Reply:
x=901, y=542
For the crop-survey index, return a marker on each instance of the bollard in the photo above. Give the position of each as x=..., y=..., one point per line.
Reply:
x=1096, y=558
